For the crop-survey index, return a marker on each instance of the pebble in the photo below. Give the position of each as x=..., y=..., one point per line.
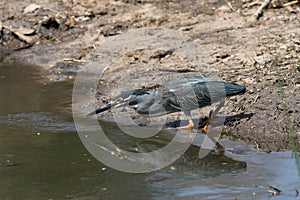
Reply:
x=31, y=8
x=223, y=9
x=222, y=56
x=25, y=31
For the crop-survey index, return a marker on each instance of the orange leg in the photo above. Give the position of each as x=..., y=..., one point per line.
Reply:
x=206, y=127
x=190, y=126
x=187, y=127
x=207, y=123
x=211, y=116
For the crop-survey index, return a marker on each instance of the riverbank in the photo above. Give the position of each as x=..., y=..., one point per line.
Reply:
x=63, y=37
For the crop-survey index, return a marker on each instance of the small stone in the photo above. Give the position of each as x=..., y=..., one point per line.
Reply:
x=26, y=31
x=186, y=28
x=283, y=47
x=223, y=9
x=78, y=57
x=222, y=56
x=288, y=56
x=31, y=8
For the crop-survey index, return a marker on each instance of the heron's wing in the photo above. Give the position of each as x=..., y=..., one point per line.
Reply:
x=192, y=92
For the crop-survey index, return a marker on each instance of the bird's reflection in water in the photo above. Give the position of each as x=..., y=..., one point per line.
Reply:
x=189, y=164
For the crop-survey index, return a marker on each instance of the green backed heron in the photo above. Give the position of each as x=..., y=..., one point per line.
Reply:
x=177, y=95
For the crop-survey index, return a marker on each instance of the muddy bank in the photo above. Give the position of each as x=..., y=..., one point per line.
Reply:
x=210, y=38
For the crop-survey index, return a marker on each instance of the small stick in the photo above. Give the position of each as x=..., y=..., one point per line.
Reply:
x=259, y=11
x=231, y=7
x=73, y=60
x=20, y=36
x=290, y=3
x=50, y=9
x=255, y=100
x=253, y=60
x=275, y=191
x=257, y=145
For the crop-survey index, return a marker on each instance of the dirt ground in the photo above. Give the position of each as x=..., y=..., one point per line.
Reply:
x=64, y=36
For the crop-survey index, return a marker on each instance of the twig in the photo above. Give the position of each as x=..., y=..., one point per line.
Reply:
x=275, y=191
x=184, y=70
x=253, y=60
x=256, y=98
x=19, y=36
x=231, y=7
x=257, y=145
x=259, y=11
x=50, y=9
x=73, y=60
x=290, y=3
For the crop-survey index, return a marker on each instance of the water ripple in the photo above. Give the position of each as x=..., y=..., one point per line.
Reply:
x=40, y=121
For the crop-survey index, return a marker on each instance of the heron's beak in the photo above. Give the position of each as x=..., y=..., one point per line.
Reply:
x=113, y=104
x=101, y=109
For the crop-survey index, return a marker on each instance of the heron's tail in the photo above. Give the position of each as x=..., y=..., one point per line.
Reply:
x=101, y=109
x=234, y=89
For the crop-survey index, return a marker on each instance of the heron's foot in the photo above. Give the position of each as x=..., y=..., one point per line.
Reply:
x=187, y=127
x=205, y=129
x=205, y=126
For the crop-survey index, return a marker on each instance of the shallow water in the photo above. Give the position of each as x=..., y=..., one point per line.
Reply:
x=42, y=157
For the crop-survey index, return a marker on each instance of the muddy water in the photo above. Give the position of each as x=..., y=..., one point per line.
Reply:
x=42, y=157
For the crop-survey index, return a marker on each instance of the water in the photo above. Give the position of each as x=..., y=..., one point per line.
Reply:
x=42, y=157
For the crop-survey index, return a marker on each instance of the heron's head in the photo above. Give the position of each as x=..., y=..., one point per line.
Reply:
x=129, y=98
